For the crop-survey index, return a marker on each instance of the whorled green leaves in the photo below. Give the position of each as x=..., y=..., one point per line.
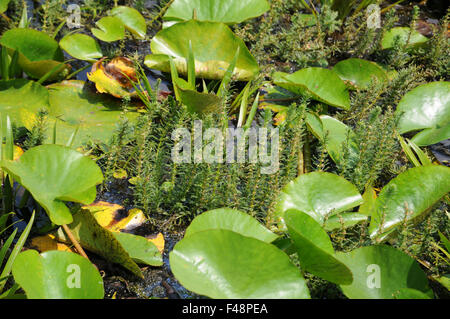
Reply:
x=230, y=219
x=229, y=12
x=314, y=248
x=360, y=73
x=213, y=53
x=408, y=196
x=38, y=52
x=54, y=174
x=321, y=84
x=220, y=263
x=318, y=194
x=380, y=272
x=57, y=275
x=427, y=108
x=81, y=46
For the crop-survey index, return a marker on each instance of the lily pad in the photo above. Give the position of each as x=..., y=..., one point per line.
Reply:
x=407, y=196
x=74, y=106
x=360, y=73
x=322, y=84
x=81, y=46
x=57, y=275
x=197, y=102
x=132, y=19
x=104, y=83
x=38, y=53
x=141, y=250
x=402, y=33
x=426, y=107
x=380, y=271
x=220, y=263
x=230, y=219
x=110, y=29
x=213, y=53
x=409, y=293
x=99, y=240
x=343, y=220
x=318, y=194
x=314, y=248
x=21, y=99
x=229, y=12
x=4, y=5
x=54, y=174
x=336, y=135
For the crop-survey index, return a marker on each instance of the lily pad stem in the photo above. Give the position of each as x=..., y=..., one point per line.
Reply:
x=74, y=241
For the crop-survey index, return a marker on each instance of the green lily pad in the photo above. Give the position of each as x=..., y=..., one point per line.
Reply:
x=54, y=174
x=21, y=99
x=110, y=29
x=230, y=219
x=4, y=5
x=402, y=33
x=408, y=196
x=74, y=105
x=93, y=237
x=314, y=248
x=426, y=107
x=322, y=84
x=336, y=136
x=318, y=194
x=57, y=275
x=343, y=220
x=38, y=53
x=409, y=293
x=219, y=263
x=229, y=12
x=369, y=198
x=197, y=102
x=132, y=19
x=360, y=73
x=140, y=249
x=379, y=272
x=213, y=53
x=81, y=46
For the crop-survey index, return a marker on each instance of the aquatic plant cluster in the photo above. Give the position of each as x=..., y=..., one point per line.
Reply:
x=295, y=149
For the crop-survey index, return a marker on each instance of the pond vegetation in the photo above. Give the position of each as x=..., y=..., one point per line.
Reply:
x=346, y=198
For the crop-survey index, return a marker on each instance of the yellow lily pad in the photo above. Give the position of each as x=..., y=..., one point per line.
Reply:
x=48, y=242
x=158, y=240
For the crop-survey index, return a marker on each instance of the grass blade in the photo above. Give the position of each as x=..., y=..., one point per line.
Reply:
x=17, y=248
x=228, y=74
x=5, y=64
x=174, y=75
x=243, y=109
x=252, y=113
x=191, y=67
x=6, y=246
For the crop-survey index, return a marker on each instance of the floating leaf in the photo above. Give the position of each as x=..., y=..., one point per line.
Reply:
x=343, y=220
x=322, y=84
x=360, y=73
x=380, y=271
x=38, y=53
x=54, y=174
x=314, y=248
x=369, y=198
x=196, y=102
x=409, y=293
x=213, y=53
x=220, y=263
x=57, y=275
x=426, y=107
x=403, y=34
x=75, y=107
x=318, y=194
x=229, y=12
x=140, y=249
x=113, y=216
x=230, y=219
x=21, y=99
x=99, y=240
x=158, y=240
x=81, y=46
x=336, y=135
x=48, y=242
x=132, y=19
x=122, y=70
x=407, y=196
x=104, y=82
x=110, y=29
x=4, y=5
